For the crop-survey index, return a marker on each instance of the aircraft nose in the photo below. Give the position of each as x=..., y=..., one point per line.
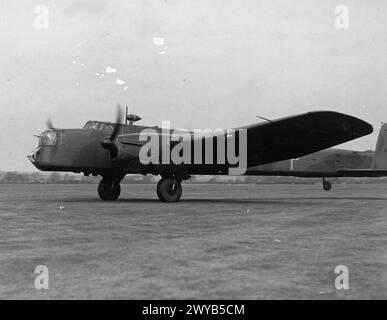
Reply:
x=33, y=155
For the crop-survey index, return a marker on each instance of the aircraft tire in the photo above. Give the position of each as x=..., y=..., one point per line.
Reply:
x=169, y=190
x=327, y=185
x=109, y=189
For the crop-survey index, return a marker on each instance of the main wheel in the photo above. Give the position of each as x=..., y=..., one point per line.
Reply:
x=169, y=190
x=327, y=185
x=109, y=189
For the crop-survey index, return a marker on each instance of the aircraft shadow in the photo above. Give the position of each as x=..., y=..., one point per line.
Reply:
x=279, y=200
x=276, y=200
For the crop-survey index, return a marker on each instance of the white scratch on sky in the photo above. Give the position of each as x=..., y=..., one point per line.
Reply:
x=120, y=82
x=158, y=41
x=110, y=69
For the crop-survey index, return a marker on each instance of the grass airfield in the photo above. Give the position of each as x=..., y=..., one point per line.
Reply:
x=219, y=242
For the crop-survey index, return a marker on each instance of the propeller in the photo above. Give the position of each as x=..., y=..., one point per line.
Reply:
x=109, y=143
x=49, y=124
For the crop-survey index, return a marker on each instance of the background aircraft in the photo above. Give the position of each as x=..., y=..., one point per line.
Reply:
x=332, y=163
x=112, y=149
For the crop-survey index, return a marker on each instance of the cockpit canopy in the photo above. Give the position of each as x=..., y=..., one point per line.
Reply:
x=99, y=125
x=48, y=138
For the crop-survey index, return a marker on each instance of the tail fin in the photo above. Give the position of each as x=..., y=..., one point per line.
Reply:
x=380, y=157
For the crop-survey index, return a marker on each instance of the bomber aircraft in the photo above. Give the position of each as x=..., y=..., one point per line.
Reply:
x=332, y=162
x=113, y=150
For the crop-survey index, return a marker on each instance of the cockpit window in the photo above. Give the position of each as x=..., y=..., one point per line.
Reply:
x=87, y=125
x=97, y=125
x=48, y=138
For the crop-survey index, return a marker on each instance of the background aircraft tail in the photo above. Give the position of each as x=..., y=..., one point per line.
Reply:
x=380, y=157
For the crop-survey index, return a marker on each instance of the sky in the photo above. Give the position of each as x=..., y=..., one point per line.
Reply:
x=198, y=64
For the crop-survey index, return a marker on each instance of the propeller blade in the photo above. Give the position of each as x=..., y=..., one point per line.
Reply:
x=49, y=124
x=117, y=123
x=109, y=143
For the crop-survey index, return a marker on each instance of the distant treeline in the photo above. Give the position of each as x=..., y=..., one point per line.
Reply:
x=60, y=178
x=70, y=178
x=38, y=177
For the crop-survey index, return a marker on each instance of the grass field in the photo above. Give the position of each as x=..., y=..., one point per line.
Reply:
x=219, y=242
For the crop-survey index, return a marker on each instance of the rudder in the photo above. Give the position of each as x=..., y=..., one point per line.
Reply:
x=380, y=157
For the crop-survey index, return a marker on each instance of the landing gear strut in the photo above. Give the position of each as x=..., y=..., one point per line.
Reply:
x=327, y=185
x=109, y=189
x=169, y=189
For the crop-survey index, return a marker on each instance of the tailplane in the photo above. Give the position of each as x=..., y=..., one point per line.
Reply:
x=380, y=157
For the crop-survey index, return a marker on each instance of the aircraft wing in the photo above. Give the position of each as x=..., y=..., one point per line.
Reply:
x=296, y=136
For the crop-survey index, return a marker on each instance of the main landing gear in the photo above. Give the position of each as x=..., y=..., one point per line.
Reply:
x=169, y=189
x=327, y=185
x=109, y=188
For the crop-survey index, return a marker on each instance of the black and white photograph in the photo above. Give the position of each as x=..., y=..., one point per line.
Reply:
x=208, y=151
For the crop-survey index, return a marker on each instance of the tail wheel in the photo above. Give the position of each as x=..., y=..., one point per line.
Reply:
x=327, y=185
x=169, y=190
x=109, y=189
